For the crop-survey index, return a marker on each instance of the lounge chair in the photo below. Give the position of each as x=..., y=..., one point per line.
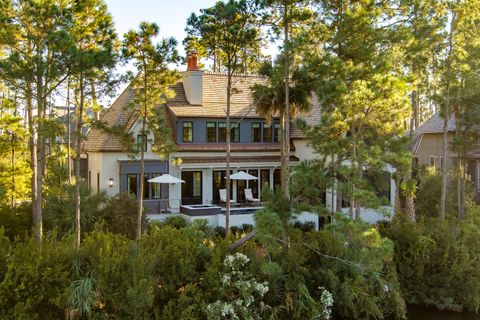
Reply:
x=223, y=196
x=249, y=196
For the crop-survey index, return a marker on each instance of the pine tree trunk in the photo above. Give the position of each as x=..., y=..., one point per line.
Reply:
x=282, y=152
x=409, y=203
x=33, y=159
x=445, y=154
x=78, y=145
x=40, y=158
x=142, y=155
x=227, y=173
x=286, y=45
x=13, y=170
x=69, y=161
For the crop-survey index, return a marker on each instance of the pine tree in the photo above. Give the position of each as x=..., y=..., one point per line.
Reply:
x=230, y=27
x=362, y=95
x=152, y=87
x=460, y=83
x=95, y=45
x=285, y=18
x=38, y=44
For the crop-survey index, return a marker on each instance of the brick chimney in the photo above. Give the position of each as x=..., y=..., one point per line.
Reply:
x=192, y=61
x=193, y=80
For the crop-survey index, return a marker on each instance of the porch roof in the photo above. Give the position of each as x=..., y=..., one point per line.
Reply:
x=261, y=159
x=254, y=146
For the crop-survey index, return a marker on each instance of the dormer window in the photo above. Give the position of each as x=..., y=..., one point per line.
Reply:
x=187, y=131
x=141, y=142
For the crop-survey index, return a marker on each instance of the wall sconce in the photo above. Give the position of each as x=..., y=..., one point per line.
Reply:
x=110, y=182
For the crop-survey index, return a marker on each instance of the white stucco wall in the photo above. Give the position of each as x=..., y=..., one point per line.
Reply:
x=302, y=151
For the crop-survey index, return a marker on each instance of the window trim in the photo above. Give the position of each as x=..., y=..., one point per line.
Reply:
x=184, y=138
x=270, y=126
x=259, y=123
x=215, y=129
x=276, y=128
x=222, y=124
x=139, y=141
x=234, y=125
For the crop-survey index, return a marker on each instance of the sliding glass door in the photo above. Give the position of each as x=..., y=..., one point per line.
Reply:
x=192, y=188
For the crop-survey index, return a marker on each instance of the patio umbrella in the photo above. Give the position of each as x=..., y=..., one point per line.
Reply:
x=165, y=178
x=242, y=175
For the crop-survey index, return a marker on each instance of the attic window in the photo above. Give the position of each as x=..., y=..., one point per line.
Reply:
x=187, y=131
x=139, y=143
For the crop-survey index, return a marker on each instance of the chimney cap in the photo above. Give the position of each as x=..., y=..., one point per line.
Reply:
x=192, y=61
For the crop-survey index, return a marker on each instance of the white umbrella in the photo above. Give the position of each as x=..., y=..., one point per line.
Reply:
x=241, y=175
x=165, y=178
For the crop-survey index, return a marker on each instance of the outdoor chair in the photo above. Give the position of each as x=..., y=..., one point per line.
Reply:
x=249, y=196
x=223, y=196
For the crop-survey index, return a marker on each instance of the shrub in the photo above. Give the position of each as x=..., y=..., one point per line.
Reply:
x=37, y=279
x=59, y=210
x=177, y=222
x=434, y=259
x=220, y=231
x=16, y=221
x=120, y=215
x=305, y=226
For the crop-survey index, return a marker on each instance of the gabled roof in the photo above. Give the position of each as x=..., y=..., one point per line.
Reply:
x=215, y=98
x=432, y=125
x=122, y=114
x=435, y=125
x=119, y=114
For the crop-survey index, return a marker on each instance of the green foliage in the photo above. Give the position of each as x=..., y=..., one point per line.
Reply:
x=229, y=32
x=119, y=215
x=177, y=222
x=434, y=259
x=348, y=259
x=16, y=222
x=60, y=208
x=36, y=280
x=363, y=280
x=427, y=202
x=240, y=293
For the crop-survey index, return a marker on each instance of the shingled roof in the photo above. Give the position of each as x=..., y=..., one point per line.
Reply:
x=213, y=106
x=435, y=125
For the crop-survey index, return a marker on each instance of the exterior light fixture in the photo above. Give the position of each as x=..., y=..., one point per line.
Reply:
x=110, y=182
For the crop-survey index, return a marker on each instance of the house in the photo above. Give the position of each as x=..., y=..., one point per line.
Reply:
x=428, y=149
x=197, y=119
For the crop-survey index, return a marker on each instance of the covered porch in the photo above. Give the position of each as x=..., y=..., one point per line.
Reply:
x=205, y=176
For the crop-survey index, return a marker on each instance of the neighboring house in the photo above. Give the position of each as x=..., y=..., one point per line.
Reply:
x=428, y=149
x=197, y=118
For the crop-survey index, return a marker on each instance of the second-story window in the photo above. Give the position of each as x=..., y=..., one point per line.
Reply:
x=211, y=132
x=276, y=132
x=141, y=142
x=222, y=132
x=235, y=132
x=267, y=132
x=256, y=132
x=187, y=131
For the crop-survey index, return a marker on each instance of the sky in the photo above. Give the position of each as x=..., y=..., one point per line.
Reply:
x=170, y=15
